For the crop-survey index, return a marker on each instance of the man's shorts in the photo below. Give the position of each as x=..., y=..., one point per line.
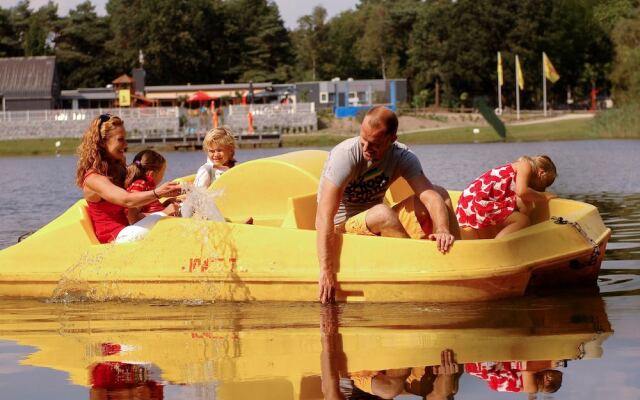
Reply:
x=406, y=214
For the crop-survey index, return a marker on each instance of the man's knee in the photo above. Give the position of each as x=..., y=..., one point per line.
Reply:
x=381, y=216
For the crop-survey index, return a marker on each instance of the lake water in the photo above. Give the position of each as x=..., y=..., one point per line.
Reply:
x=280, y=350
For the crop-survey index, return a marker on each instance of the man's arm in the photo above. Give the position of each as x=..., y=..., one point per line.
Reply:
x=328, y=204
x=437, y=209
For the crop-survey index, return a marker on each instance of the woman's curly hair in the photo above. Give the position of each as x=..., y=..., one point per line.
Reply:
x=92, y=153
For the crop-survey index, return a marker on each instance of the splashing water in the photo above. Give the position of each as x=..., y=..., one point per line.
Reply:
x=199, y=203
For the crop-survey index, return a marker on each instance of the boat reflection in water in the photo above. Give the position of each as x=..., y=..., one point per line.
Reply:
x=292, y=351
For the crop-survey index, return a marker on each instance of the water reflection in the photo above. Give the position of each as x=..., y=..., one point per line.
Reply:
x=503, y=354
x=278, y=351
x=119, y=380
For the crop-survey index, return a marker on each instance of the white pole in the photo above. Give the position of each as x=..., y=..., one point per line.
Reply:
x=544, y=87
x=499, y=88
x=517, y=91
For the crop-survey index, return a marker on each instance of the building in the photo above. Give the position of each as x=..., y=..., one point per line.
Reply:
x=331, y=94
x=28, y=83
x=87, y=98
x=173, y=95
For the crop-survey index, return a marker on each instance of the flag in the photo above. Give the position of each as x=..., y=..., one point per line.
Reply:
x=500, y=80
x=549, y=71
x=519, y=76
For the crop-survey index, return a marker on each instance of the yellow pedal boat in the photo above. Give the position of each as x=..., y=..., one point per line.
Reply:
x=275, y=258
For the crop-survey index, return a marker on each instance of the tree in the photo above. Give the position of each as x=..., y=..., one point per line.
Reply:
x=626, y=75
x=39, y=37
x=81, y=53
x=343, y=32
x=258, y=46
x=375, y=46
x=309, y=39
x=9, y=44
x=175, y=36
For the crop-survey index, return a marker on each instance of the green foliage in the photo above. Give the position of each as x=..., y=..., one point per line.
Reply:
x=626, y=74
x=39, y=36
x=176, y=38
x=623, y=122
x=256, y=42
x=82, y=57
x=308, y=40
x=9, y=43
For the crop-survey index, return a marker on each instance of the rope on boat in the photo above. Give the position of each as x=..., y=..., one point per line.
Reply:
x=596, y=249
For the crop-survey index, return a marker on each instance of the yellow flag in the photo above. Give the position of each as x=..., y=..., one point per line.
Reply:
x=124, y=98
x=500, y=80
x=519, y=76
x=549, y=71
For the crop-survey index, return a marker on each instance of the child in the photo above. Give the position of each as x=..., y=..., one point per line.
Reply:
x=220, y=148
x=500, y=200
x=146, y=170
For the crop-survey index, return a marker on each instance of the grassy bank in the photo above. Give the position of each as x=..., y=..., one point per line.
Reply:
x=617, y=124
x=623, y=122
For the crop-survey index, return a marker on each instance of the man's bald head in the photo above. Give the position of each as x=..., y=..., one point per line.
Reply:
x=381, y=117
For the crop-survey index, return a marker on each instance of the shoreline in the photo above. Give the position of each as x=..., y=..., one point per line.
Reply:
x=526, y=131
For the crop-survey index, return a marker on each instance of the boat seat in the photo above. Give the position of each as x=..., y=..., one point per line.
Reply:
x=301, y=212
x=85, y=222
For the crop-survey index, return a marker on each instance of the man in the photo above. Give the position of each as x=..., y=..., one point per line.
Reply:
x=350, y=197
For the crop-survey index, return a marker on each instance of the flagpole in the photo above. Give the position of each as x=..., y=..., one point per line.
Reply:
x=517, y=91
x=544, y=87
x=499, y=86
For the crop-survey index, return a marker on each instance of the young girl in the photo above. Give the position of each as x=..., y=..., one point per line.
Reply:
x=220, y=148
x=144, y=172
x=101, y=173
x=500, y=200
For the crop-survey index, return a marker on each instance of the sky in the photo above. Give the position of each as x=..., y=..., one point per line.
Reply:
x=290, y=10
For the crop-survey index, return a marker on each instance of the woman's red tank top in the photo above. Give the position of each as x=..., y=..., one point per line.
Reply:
x=107, y=219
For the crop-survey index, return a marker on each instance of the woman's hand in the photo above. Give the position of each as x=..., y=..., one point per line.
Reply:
x=169, y=189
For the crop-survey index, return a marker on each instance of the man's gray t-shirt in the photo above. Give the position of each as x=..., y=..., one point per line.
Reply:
x=366, y=182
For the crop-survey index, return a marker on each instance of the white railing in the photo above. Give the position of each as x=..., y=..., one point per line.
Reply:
x=87, y=114
x=269, y=109
x=73, y=123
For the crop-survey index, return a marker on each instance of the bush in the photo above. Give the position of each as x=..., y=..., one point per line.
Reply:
x=623, y=122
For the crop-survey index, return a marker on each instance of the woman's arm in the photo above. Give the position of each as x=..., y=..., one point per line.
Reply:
x=103, y=187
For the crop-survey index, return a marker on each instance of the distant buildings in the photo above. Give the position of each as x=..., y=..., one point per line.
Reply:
x=28, y=83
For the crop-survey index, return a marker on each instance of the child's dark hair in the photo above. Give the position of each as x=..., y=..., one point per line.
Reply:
x=144, y=162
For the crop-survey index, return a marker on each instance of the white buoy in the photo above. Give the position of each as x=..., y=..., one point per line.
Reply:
x=476, y=131
x=58, y=143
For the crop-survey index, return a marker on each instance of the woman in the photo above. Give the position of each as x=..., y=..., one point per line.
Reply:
x=101, y=172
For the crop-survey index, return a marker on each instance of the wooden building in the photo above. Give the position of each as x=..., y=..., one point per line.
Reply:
x=28, y=83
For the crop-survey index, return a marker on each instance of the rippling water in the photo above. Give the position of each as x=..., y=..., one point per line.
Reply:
x=280, y=350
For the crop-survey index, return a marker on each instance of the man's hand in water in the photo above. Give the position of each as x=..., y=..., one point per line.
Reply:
x=448, y=365
x=327, y=287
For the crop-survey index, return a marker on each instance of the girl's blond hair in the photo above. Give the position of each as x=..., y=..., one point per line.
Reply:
x=222, y=136
x=92, y=153
x=144, y=162
x=544, y=163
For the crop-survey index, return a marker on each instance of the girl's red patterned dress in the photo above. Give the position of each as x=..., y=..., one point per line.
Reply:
x=489, y=199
